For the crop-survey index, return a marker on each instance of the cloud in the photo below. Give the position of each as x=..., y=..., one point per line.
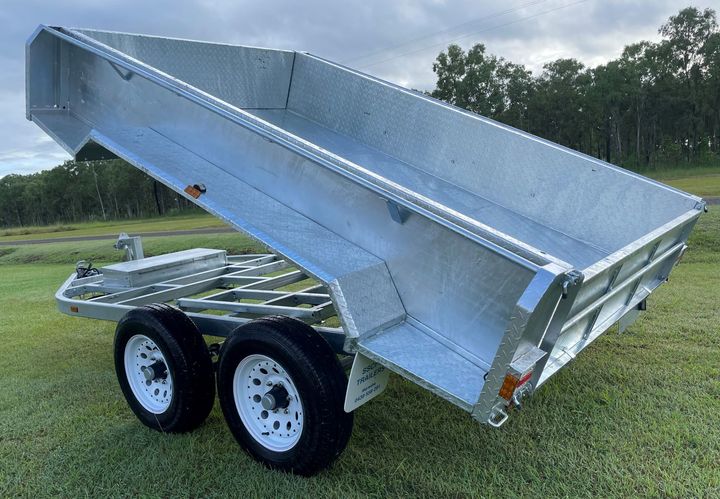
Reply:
x=530, y=32
x=24, y=148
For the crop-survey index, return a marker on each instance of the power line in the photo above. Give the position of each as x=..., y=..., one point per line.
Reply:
x=470, y=34
x=446, y=30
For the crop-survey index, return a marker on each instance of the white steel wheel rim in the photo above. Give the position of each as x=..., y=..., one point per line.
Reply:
x=278, y=430
x=154, y=395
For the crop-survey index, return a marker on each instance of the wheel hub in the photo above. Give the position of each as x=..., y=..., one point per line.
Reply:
x=154, y=371
x=276, y=398
x=147, y=374
x=268, y=402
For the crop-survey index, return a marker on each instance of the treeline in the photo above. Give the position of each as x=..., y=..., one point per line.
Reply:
x=79, y=191
x=658, y=105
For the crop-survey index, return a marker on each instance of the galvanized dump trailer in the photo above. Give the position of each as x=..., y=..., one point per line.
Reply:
x=469, y=257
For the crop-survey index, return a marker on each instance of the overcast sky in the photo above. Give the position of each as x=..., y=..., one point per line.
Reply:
x=399, y=38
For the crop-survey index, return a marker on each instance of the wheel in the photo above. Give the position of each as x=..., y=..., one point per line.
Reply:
x=281, y=389
x=164, y=368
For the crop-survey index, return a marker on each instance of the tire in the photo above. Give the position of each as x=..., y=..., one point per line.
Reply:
x=181, y=394
x=313, y=427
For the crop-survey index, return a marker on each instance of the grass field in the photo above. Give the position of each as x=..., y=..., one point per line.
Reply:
x=114, y=227
x=664, y=174
x=704, y=182
x=635, y=414
x=701, y=185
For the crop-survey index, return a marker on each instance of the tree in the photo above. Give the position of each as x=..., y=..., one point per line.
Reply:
x=686, y=35
x=518, y=89
x=481, y=82
x=712, y=94
x=658, y=103
x=450, y=70
x=80, y=191
x=558, y=110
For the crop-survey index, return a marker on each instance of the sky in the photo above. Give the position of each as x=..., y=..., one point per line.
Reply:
x=396, y=40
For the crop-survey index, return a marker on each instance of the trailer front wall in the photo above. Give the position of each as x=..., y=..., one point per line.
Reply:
x=245, y=77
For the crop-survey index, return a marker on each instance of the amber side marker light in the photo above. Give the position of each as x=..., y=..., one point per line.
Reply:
x=192, y=191
x=512, y=383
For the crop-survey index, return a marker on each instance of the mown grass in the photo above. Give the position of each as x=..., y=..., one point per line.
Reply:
x=701, y=185
x=113, y=227
x=102, y=251
x=44, y=229
x=701, y=181
x=663, y=174
x=636, y=413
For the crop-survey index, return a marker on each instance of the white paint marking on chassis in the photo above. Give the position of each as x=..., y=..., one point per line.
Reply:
x=368, y=379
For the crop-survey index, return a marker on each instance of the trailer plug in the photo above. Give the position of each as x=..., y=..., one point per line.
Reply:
x=84, y=268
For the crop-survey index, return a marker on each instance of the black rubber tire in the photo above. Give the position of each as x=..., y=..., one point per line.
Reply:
x=188, y=361
x=318, y=377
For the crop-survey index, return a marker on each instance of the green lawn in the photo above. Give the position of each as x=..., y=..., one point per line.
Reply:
x=664, y=174
x=701, y=185
x=704, y=182
x=635, y=414
x=114, y=227
x=102, y=251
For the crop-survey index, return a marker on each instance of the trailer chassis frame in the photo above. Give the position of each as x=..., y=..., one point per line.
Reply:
x=244, y=277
